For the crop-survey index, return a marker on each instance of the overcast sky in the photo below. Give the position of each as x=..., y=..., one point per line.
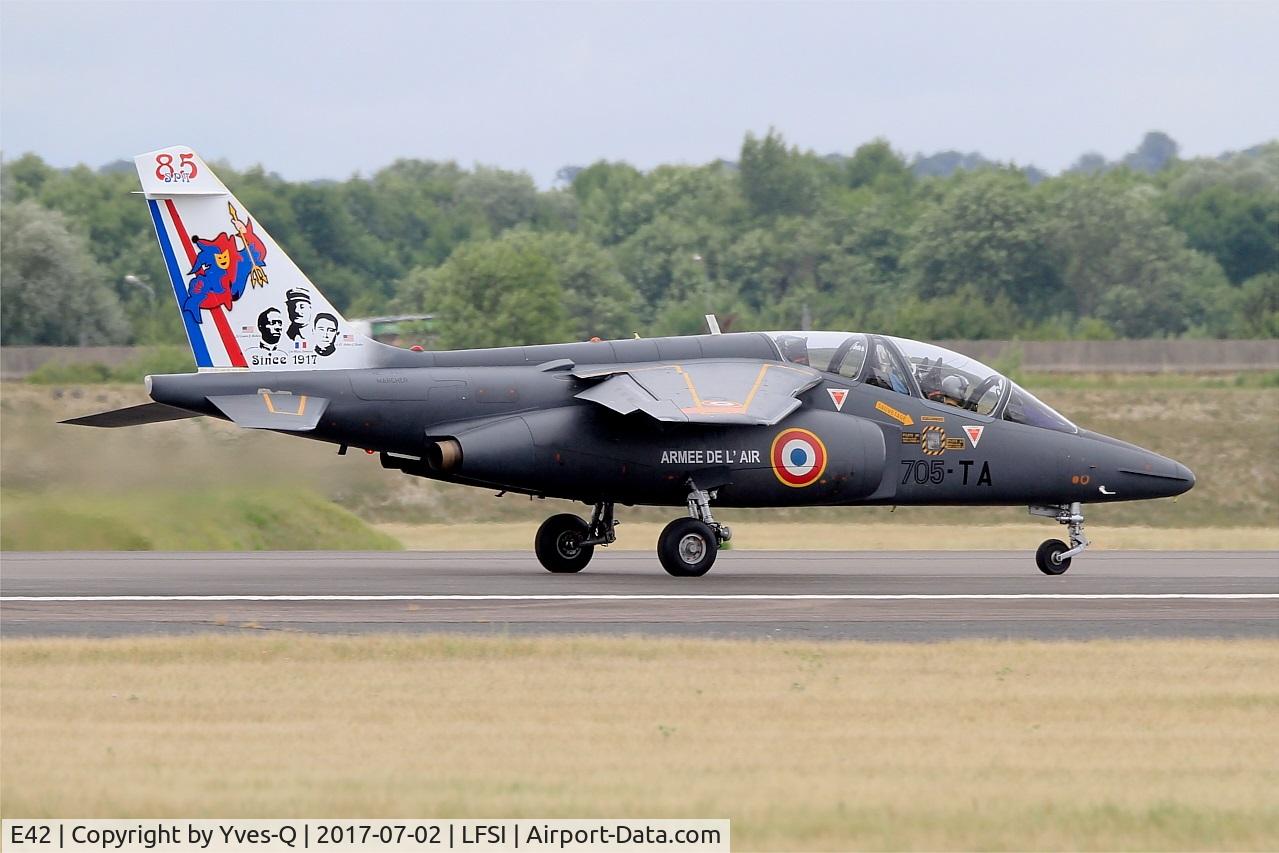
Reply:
x=315, y=90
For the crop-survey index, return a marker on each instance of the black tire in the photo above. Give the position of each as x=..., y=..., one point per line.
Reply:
x=1048, y=557
x=687, y=548
x=558, y=544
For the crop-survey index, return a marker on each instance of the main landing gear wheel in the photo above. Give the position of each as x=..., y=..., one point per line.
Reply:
x=1049, y=558
x=687, y=548
x=559, y=544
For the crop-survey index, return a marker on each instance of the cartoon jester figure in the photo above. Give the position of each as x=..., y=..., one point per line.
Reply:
x=222, y=268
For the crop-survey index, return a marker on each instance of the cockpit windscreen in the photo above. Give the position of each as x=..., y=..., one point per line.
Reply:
x=1024, y=408
x=943, y=376
x=841, y=353
x=948, y=377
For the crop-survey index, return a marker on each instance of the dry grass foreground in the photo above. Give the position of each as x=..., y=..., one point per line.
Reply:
x=984, y=745
x=852, y=535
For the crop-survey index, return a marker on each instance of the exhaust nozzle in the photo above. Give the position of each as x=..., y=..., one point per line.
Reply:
x=444, y=455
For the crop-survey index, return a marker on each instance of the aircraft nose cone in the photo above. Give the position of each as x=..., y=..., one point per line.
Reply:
x=1186, y=476
x=1126, y=472
x=1157, y=476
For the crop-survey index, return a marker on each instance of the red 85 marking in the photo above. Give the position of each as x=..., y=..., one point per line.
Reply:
x=185, y=171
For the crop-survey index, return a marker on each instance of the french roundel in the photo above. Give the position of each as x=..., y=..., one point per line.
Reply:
x=799, y=457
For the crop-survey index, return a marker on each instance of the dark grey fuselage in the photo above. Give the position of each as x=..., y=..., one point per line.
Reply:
x=519, y=426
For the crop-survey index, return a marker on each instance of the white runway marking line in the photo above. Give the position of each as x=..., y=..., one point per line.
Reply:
x=1030, y=596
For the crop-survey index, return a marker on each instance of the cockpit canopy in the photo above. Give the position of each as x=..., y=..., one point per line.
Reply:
x=918, y=369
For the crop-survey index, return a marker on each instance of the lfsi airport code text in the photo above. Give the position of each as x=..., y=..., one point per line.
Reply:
x=267, y=836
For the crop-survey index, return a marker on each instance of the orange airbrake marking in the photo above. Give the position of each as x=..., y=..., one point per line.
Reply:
x=901, y=417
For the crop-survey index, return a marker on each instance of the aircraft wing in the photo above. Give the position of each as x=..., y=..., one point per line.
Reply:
x=273, y=410
x=147, y=413
x=723, y=391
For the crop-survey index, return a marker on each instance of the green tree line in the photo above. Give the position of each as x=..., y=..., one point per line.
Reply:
x=950, y=246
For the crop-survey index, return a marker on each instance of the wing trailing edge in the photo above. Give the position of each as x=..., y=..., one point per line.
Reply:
x=728, y=391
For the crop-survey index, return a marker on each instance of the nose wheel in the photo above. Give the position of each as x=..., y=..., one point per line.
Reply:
x=1053, y=556
x=1049, y=557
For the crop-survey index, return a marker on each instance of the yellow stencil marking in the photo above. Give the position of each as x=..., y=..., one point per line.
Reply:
x=701, y=408
x=901, y=417
x=692, y=389
x=759, y=380
x=270, y=406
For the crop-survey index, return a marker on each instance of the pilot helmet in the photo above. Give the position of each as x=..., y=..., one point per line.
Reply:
x=794, y=348
x=954, y=386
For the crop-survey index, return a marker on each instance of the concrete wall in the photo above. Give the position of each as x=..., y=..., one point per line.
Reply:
x=1137, y=356
x=1151, y=356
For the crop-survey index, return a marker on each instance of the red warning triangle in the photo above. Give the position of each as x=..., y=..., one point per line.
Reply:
x=974, y=433
x=838, y=396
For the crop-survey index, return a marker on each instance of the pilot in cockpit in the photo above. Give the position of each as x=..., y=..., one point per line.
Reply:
x=948, y=388
x=793, y=348
x=882, y=371
x=953, y=391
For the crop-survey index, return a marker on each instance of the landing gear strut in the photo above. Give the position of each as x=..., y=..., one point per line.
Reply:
x=1053, y=556
x=565, y=543
x=687, y=546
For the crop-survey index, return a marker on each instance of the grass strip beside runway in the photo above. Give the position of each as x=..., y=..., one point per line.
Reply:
x=993, y=745
x=197, y=519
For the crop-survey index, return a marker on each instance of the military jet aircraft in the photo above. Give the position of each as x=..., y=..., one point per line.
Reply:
x=766, y=419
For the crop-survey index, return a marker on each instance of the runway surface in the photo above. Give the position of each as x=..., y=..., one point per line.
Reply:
x=901, y=596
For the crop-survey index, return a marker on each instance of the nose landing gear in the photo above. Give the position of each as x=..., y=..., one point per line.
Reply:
x=1053, y=556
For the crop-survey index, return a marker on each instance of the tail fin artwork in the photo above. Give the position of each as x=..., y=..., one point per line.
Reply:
x=244, y=303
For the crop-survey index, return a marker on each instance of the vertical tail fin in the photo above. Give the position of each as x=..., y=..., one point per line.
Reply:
x=244, y=303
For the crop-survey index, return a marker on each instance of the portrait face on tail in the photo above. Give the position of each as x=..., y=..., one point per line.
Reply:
x=326, y=333
x=298, y=302
x=271, y=326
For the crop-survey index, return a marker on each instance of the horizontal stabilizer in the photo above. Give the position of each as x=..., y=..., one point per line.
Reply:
x=147, y=413
x=737, y=391
x=273, y=410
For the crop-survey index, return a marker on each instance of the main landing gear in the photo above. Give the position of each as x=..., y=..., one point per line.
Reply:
x=687, y=547
x=566, y=543
x=1053, y=556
